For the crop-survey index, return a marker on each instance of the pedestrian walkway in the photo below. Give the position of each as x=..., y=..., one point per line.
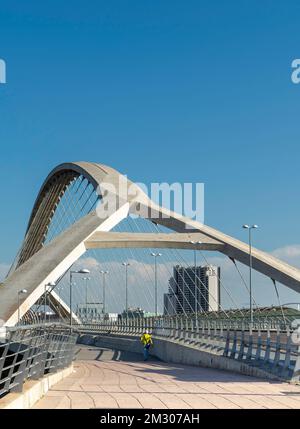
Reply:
x=105, y=378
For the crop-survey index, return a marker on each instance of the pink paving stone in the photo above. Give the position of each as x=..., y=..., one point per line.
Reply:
x=199, y=401
x=131, y=388
x=219, y=401
x=147, y=400
x=229, y=388
x=80, y=400
x=126, y=400
x=104, y=400
x=56, y=393
x=213, y=388
x=172, y=401
x=192, y=387
x=269, y=402
x=51, y=402
x=91, y=388
x=243, y=401
x=152, y=388
x=172, y=387
x=288, y=401
x=114, y=388
x=196, y=401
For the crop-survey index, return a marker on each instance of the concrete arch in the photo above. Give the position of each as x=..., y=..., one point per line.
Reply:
x=49, y=196
x=38, y=265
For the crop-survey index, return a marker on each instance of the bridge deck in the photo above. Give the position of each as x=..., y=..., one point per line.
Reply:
x=112, y=379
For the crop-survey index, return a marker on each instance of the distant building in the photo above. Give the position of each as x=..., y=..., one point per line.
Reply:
x=136, y=313
x=111, y=317
x=133, y=313
x=193, y=289
x=90, y=311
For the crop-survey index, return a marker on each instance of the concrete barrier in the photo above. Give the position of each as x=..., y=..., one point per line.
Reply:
x=33, y=391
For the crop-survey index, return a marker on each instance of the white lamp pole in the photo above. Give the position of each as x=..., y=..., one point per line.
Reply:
x=126, y=265
x=50, y=285
x=195, y=243
x=86, y=279
x=83, y=271
x=155, y=255
x=250, y=267
x=104, y=274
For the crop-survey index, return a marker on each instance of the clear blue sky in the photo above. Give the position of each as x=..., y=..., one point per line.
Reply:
x=195, y=91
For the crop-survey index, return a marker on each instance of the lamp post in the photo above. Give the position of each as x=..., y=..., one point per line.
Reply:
x=51, y=285
x=126, y=265
x=104, y=274
x=58, y=290
x=83, y=271
x=195, y=243
x=86, y=279
x=22, y=291
x=250, y=266
x=155, y=255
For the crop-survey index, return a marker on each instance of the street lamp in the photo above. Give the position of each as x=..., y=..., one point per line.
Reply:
x=126, y=265
x=195, y=243
x=82, y=271
x=86, y=279
x=104, y=273
x=155, y=255
x=250, y=267
x=21, y=292
x=51, y=285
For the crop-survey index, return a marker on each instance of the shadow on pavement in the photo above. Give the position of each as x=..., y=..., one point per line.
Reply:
x=103, y=354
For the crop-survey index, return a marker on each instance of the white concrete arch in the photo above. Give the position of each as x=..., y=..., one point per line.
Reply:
x=39, y=265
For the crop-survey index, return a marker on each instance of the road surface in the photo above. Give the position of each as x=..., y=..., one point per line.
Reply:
x=104, y=378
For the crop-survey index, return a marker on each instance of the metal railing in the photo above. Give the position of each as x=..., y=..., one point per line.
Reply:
x=30, y=352
x=267, y=346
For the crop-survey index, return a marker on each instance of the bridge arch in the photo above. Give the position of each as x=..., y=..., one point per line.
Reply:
x=38, y=264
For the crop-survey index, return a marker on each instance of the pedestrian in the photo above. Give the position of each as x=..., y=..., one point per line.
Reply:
x=147, y=342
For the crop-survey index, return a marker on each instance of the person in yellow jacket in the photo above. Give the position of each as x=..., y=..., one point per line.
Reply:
x=147, y=342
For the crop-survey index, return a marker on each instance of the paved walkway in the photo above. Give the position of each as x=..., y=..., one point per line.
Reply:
x=112, y=379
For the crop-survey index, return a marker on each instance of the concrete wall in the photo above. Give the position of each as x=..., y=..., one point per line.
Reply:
x=33, y=391
x=169, y=351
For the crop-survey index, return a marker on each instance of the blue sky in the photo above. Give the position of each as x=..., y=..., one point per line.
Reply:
x=193, y=91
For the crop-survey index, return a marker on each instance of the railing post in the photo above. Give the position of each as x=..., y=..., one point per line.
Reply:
x=208, y=332
x=287, y=360
x=268, y=348
x=21, y=373
x=277, y=352
x=215, y=331
x=181, y=329
x=234, y=345
x=172, y=328
x=242, y=345
x=196, y=333
x=186, y=330
x=221, y=337
x=176, y=328
x=295, y=336
x=250, y=345
x=258, y=346
x=227, y=343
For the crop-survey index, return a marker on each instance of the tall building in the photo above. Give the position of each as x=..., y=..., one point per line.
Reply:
x=193, y=289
